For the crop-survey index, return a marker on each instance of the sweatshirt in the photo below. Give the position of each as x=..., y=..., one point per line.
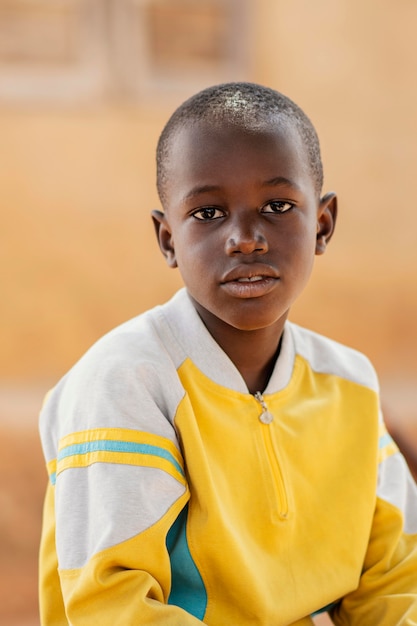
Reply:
x=177, y=498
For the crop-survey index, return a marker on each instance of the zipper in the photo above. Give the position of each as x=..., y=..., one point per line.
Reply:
x=266, y=418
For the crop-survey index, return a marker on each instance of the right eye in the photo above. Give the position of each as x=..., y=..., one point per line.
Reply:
x=208, y=213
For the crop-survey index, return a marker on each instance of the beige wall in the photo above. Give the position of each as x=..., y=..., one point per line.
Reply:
x=77, y=184
x=77, y=251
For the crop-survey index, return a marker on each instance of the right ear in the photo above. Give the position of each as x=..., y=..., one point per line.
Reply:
x=164, y=237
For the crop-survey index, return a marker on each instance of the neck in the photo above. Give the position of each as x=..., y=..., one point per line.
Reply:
x=253, y=352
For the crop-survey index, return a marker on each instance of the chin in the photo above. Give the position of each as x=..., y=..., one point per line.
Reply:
x=247, y=324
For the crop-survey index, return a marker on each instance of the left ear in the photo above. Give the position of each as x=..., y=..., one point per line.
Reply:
x=326, y=221
x=164, y=237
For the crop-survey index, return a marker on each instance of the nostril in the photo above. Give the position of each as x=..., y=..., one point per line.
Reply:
x=247, y=242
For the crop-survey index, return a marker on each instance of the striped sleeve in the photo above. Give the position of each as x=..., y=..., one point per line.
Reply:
x=386, y=445
x=117, y=446
x=387, y=590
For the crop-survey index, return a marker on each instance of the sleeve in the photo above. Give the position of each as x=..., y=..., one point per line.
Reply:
x=114, y=494
x=387, y=591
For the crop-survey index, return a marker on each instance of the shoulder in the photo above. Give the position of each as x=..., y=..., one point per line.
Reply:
x=146, y=340
x=132, y=344
x=126, y=379
x=327, y=356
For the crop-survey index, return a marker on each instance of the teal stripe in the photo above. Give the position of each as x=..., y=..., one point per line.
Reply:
x=187, y=586
x=108, y=445
x=325, y=609
x=385, y=440
x=52, y=478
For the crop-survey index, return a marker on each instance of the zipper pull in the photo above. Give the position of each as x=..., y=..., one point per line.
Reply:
x=265, y=417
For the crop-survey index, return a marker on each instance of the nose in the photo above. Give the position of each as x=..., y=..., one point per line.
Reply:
x=246, y=237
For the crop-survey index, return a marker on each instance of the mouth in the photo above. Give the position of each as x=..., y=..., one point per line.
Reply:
x=250, y=281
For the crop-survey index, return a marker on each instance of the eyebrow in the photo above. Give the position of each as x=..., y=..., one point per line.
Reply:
x=201, y=189
x=277, y=181
x=281, y=181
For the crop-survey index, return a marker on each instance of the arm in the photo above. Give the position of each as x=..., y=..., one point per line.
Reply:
x=404, y=432
x=387, y=591
x=111, y=525
x=114, y=494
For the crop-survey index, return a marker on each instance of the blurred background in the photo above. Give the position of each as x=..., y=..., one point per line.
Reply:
x=85, y=88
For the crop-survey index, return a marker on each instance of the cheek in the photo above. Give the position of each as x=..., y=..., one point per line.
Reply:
x=193, y=262
x=196, y=248
x=299, y=244
x=300, y=247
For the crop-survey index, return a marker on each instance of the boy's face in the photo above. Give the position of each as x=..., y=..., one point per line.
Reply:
x=242, y=222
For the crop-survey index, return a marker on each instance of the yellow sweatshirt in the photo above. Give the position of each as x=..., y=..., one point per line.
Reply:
x=177, y=498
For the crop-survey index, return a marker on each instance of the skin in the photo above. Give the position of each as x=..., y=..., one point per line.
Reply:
x=243, y=222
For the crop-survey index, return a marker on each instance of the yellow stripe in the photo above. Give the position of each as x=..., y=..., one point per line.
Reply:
x=387, y=451
x=122, y=434
x=51, y=467
x=389, y=448
x=117, y=456
x=140, y=460
x=382, y=429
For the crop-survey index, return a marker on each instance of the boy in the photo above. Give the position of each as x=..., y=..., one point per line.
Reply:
x=209, y=461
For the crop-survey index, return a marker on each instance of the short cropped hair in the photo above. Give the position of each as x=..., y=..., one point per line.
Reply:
x=246, y=105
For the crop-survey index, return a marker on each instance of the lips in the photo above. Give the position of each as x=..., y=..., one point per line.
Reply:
x=249, y=273
x=250, y=281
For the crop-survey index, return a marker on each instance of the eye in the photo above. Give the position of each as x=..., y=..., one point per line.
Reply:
x=277, y=206
x=208, y=213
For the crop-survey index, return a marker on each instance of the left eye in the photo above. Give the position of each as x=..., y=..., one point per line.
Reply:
x=208, y=213
x=277, y=206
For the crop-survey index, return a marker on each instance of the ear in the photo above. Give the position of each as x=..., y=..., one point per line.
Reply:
x=164, y=237
x=326, y=221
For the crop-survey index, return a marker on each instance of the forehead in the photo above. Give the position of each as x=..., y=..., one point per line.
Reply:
x=204, y=152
